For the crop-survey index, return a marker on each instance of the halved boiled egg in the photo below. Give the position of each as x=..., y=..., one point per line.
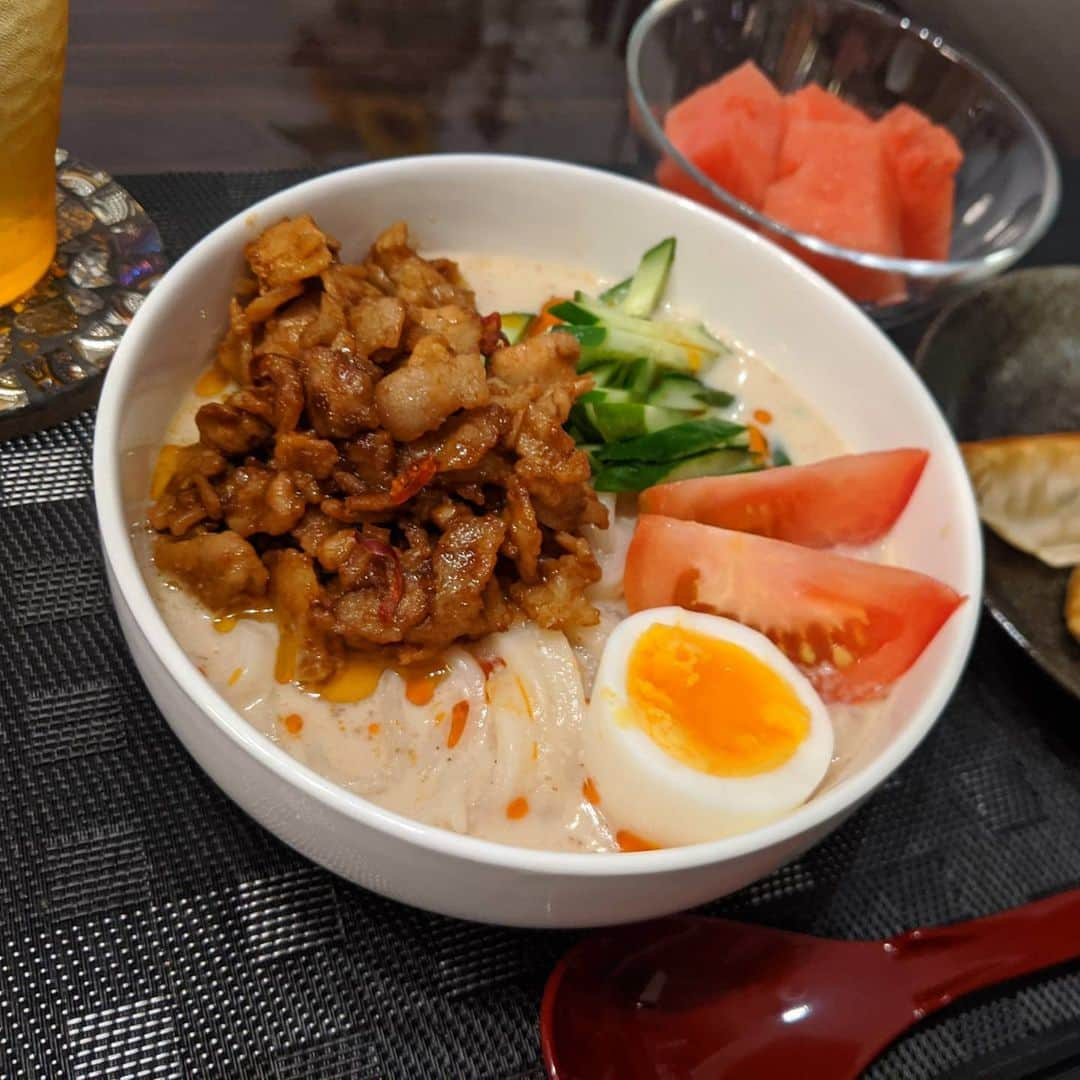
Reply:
x=699, y=728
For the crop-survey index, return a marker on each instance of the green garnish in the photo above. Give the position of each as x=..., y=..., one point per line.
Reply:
x=677, y=441
x=648, y=418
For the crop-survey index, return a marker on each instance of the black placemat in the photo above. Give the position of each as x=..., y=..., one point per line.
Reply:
x=148, y=928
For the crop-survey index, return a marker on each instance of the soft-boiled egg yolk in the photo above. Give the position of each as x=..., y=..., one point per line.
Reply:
x=679, y=679
x=700, y=728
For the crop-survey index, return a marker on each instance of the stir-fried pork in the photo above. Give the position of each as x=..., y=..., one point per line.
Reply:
x=388, y=474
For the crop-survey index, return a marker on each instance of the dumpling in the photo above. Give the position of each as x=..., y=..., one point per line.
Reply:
x=1072, y=603
x=1028, y=491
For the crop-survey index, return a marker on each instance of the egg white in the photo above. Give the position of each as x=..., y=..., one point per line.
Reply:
x=669, y=803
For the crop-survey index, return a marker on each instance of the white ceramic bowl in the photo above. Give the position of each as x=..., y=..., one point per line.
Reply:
x=816, y=339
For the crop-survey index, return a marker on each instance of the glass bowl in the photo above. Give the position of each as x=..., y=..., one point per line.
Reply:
x=1007, y=189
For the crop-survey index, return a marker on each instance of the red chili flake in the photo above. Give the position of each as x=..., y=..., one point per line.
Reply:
x=396, y=589
x=491, y=335
x=488, y=664
x=415, y=477
x=458, y=715
x=630, y=841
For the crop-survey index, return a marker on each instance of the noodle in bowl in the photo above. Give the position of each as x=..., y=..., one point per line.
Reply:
x=828, y=354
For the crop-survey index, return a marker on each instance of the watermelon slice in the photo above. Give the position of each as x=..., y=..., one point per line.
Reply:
x=924, y=159
x=807, y=108
x=671, y=176
x=838, y=187
x=817, y=105
x=731, y=130
x=802, y=140
x=821, y=166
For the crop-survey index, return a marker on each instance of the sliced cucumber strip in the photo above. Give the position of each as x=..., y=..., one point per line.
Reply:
x=606, y=395
x=714, y=463
x=648, y=417
x=676, y=391
x=678, y=441
x=583, y=414
x=617, y=293
x=638, y=377
x=719, y=399
x=585, y=310
x=580, y=425
x=637, y=476
x=649, y=280
x=602, y=343
x=606, y=374
x=616, y=421
x=515, y=324
x=623, y=477
x=574, y=313
x=589, y=337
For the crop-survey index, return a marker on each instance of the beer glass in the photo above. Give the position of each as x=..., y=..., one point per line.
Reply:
x=33, y=36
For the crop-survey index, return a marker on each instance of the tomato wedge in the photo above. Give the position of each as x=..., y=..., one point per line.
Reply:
x=853, y=627
x=854, y=499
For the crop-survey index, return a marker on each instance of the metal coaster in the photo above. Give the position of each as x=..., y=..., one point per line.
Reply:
x=57, y=340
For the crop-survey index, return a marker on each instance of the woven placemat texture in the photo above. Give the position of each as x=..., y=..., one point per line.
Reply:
x=148, y=928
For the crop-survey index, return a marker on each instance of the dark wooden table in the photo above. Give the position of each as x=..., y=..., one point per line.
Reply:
x=241, y=85
x=262, y=84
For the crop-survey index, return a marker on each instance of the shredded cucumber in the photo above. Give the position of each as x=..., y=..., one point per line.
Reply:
x=639, y=295
x=515, y=324
x=616, y=421
x=676, y=391
x=600, y=344
x=617, y=293
x=715, y=463
x=585, y=310
x=648, y=418
x=574, y=314
x=649, y=280
x=608, y=374
x=678, y=441
x=583, y=414
x=608, y=394
x=637, y=476
x=638, y=377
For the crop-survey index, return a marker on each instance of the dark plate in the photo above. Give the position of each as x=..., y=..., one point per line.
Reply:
x=1006, y=361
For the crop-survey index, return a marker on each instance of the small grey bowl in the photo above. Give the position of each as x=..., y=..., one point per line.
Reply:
x=1006, y=361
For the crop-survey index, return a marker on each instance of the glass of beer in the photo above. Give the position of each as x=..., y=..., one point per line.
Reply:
x=33, y=36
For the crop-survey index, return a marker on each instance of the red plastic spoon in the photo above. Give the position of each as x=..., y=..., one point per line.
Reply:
x=694, y=997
